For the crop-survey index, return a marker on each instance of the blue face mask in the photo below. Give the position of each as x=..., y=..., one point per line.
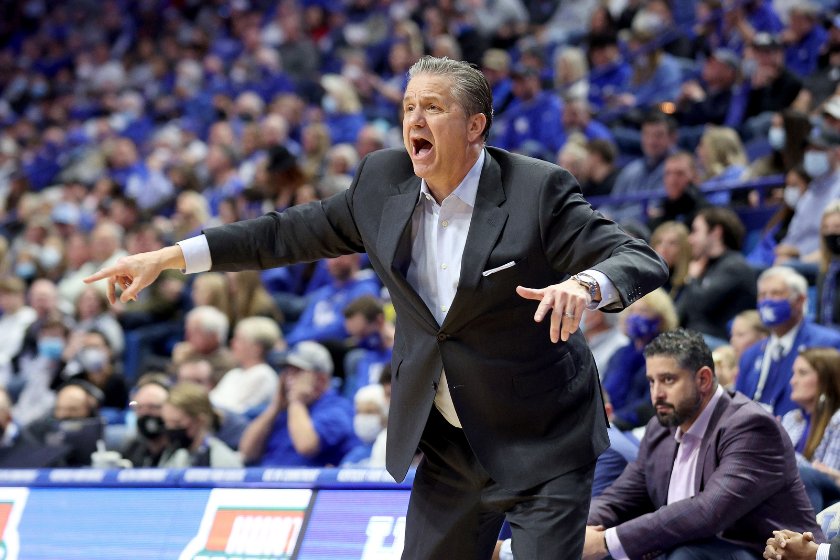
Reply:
x=25, y=270
x=640, y=327
x=51, y=347
x=371, y=342
x=774, y=312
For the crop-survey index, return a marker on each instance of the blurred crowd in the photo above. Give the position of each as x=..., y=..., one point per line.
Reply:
x=710, y=129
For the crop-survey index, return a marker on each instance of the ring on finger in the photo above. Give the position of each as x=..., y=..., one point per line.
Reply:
x=569, y=315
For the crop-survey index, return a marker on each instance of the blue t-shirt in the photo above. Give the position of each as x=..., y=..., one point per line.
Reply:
x=526, y=121
x=323, y=318
x=332, y=418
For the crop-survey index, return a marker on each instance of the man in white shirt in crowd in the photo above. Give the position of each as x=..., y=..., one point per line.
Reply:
x=254, y=382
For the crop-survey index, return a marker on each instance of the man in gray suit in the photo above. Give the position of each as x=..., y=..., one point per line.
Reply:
x=505, y=406
x=714, y=476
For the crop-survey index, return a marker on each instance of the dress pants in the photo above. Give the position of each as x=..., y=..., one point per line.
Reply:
x=456, y=509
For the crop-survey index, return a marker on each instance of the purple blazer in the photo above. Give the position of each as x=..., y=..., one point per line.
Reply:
x=747, y=485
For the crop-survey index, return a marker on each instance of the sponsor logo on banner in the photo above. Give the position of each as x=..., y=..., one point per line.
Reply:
x=380, y=530
x=249, y=524
x=12, y=502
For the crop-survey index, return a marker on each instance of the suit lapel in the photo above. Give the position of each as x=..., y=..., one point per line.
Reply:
x=709, y=441
x=393, y=242
x=486, y=224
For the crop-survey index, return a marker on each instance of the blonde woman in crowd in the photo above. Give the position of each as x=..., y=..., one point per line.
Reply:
x=670, y=240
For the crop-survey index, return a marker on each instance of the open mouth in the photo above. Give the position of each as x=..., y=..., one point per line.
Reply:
x=421, y=147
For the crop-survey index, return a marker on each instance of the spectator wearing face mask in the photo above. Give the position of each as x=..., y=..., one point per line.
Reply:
x=365, y=321
x=766, y=367
x=603, y=335
x=763, y=254
x=787, y=136
x=624, y=377
x=189, y=418
x=93, y=360
x=30, y=385
x=146, y=449
x=369, y=423
x=822, y=160
x=828, y=281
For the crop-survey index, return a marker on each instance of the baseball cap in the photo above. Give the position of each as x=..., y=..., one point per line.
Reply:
x=824, y=137
x=727, y=57
x=310, y=356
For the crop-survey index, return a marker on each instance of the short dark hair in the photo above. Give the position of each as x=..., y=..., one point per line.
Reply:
x=602, y=39
x=658, y=117
x=687, y=347
x=605, y=149
x=367, y=306
x=730, y=223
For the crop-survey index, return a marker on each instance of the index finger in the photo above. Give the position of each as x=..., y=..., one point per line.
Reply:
x=104, y=273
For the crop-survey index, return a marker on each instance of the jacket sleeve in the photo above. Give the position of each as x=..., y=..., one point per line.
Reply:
x=305, y=233
x=627, y=497
x=576, y=237
x=748, y=473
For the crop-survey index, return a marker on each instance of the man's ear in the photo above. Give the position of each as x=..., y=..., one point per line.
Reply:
x=475, y=126
x=705, y=378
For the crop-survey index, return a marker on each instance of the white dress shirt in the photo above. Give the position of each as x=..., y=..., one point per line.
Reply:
x=438, y=235
x=684, y=471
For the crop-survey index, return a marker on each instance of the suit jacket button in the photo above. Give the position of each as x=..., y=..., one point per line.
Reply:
x=442, y=336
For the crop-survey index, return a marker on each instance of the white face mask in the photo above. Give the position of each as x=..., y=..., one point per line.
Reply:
x=816, y=163
x=792, y=195
x=777, y=138
x=367, y=427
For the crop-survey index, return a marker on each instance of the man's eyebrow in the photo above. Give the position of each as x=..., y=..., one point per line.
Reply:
x=424, y=97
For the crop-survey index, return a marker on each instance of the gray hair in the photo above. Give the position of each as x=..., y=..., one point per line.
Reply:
x=470, y=88
x=211, y=320
x=259, y=330
x=795, y=282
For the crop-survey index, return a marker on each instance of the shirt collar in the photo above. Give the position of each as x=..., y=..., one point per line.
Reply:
x=468, y=188
x=785, y=340
x=698, y=429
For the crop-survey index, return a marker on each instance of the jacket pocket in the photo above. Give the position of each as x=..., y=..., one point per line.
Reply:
x=520, y=266
x=545, y=379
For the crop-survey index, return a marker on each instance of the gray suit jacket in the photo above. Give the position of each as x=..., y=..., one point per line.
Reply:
x=530, y=409
x=747, y=486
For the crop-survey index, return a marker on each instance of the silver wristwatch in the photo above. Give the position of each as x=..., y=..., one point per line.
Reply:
x=588, y=282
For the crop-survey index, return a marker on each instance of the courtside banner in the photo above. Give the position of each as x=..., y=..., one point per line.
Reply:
x=12, y=504
x=356, y=525
x=249, y=525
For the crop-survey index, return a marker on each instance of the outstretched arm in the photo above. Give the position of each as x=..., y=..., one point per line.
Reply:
x=135, y=272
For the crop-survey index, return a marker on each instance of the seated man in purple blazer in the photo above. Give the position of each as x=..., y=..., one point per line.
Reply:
x=714, y=477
